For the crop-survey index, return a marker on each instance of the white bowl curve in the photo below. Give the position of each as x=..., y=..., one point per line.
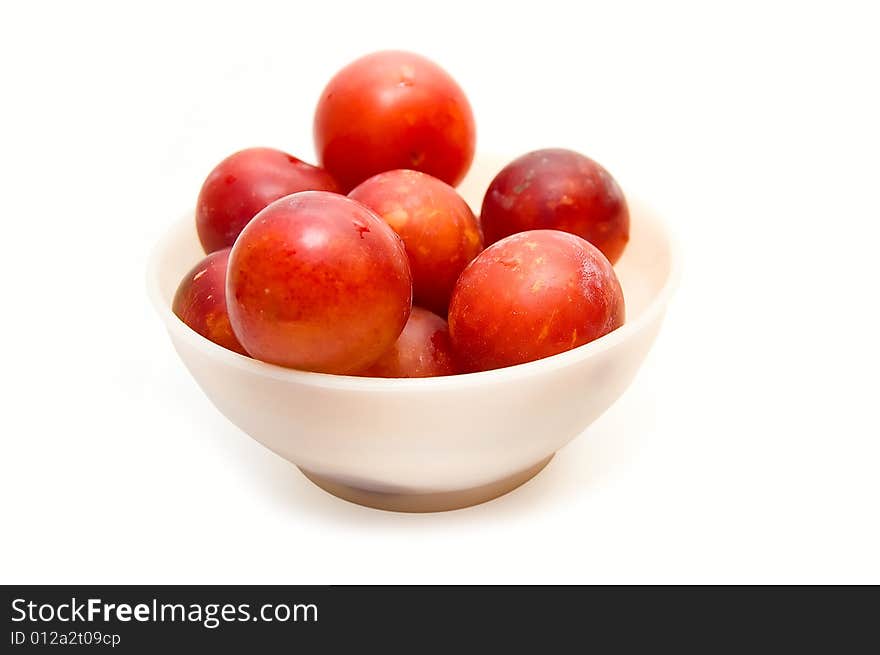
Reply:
x=433, y=443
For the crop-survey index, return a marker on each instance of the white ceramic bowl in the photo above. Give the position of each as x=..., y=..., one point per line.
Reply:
x=435, y=443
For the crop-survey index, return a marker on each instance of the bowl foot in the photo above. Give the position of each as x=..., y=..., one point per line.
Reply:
x=426, y=502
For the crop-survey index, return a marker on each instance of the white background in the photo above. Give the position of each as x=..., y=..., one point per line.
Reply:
x=747, y=449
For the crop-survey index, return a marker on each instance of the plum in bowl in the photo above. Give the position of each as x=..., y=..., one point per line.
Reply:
x=427, y=444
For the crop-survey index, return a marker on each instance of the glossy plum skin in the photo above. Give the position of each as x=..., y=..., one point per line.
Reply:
x=439, y=230
x=532, y=295
x=391, y=110
x=200, y=301
x=559, y=190
x=244, y=183
x=318, y=282
x=423, y=350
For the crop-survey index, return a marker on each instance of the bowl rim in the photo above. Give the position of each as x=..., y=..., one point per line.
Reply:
x=356, y=383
